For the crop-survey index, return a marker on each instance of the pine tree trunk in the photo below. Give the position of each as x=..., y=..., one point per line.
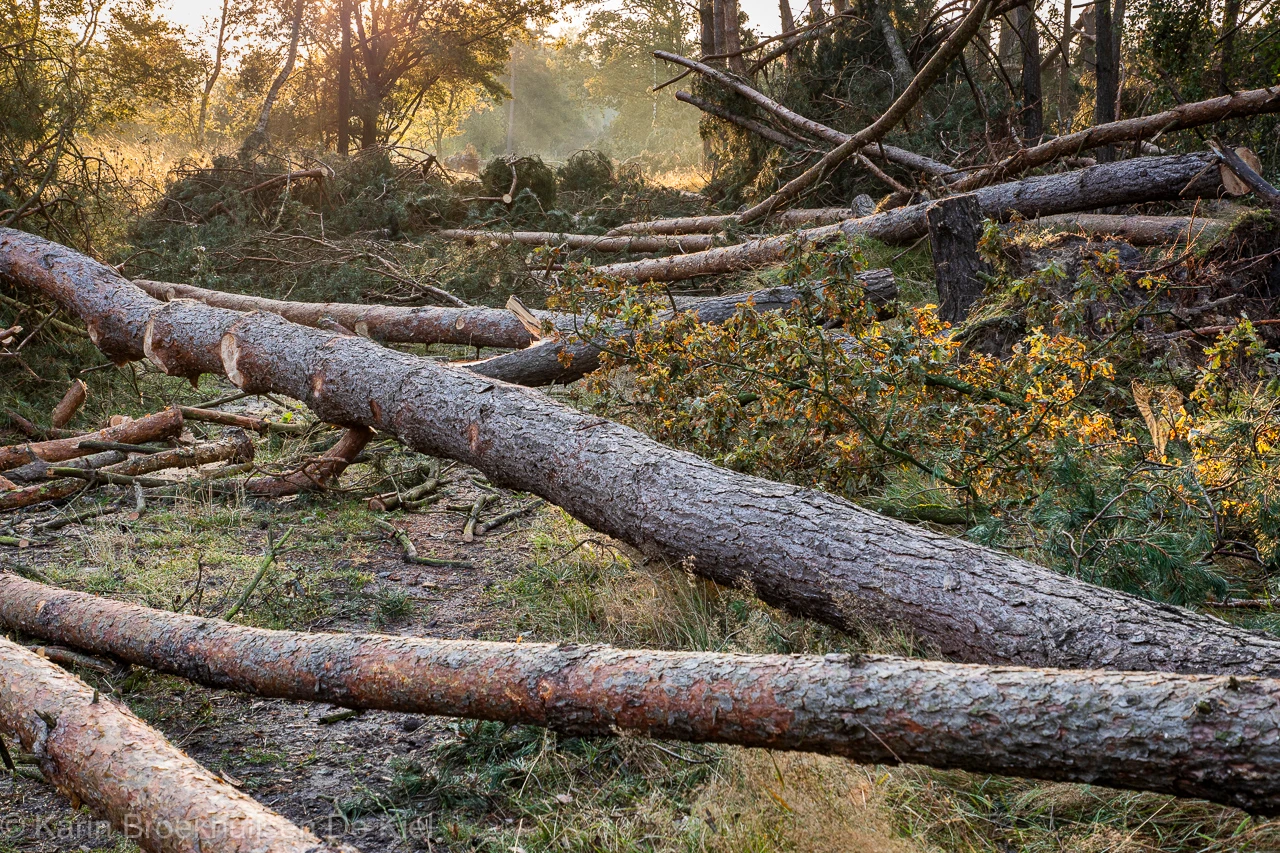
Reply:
x=955, y=226
x=1212, y=737
x=806, y=551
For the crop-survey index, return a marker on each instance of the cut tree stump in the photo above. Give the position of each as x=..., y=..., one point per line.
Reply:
x=955, y=227
x=811, y=553
x=1217, y=738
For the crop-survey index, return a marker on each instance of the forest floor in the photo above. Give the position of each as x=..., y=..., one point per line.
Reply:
x=396, y=782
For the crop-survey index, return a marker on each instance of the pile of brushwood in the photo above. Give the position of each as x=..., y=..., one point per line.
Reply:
x=1045, y=476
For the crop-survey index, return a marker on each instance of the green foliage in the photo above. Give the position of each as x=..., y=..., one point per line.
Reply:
x=529, y=182
x=586, y=171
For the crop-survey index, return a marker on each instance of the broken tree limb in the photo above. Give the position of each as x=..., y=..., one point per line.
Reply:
x=564, y=361
x=165, y=424
x=1108, y=184
x=1216, y=738
x=891, y=153
x=751, y=125
x=69, y=404
x=315, y=474
x=811, y=553
x=1239, y=105
x=795, y=218
x=100, y=753
x=261, y=426
x=588, y=242
x=481, y=327
x=878, y=129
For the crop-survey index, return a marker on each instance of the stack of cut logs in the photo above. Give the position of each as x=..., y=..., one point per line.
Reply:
x=1045, y=676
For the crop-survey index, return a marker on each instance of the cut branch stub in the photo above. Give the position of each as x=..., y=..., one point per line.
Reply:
x=955, y=227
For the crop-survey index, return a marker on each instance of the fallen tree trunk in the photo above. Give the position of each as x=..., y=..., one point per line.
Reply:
x=1238, y=105
x=811, y=553
x=562, y=362
x=164, y=424
x=1105, y=185
x=590, y=242
x=1137, y=230
x=479, y=327
x=100, y=754
x=1217, y=738
x=794, y=218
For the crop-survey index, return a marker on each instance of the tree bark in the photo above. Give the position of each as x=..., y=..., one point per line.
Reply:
x=164, y=424
x=1241, y=105
x=1128, y=182
x=589, y=242
x=1066, y=103
x=1137, y=230
x=806, y=551
x=784, y=15
x=98, y=752
x=797, y=217
x=559, y=362
x=1104, y=108
x=902, y=70
x=478, y=327
x=877, y=130
x=1032, y=102
x=69, y=404
x=258, y=137
x=707, y=27
x=879, y=150
x=1226, y=44
x=344, y=79
x=955, y=226
x=1210, y=737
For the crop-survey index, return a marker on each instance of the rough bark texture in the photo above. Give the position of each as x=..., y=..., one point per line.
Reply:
x=101, y=754
x=1212, y=737
x=164, y=424
x=811, y=553
x=589, y=242
x=955, y=226
x=795, y=218
x=1032, y=103
x=564, y=362
x=1128, y=182
x=480, y=327
x=1138, y=230
x=902, y=70
x=1239, y=105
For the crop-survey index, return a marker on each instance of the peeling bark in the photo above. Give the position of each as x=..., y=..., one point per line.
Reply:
x=164, y=424
x=479, y=327
x=99, y=753
x=1128, y=182
x=808, y=552
x=1217, y=738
